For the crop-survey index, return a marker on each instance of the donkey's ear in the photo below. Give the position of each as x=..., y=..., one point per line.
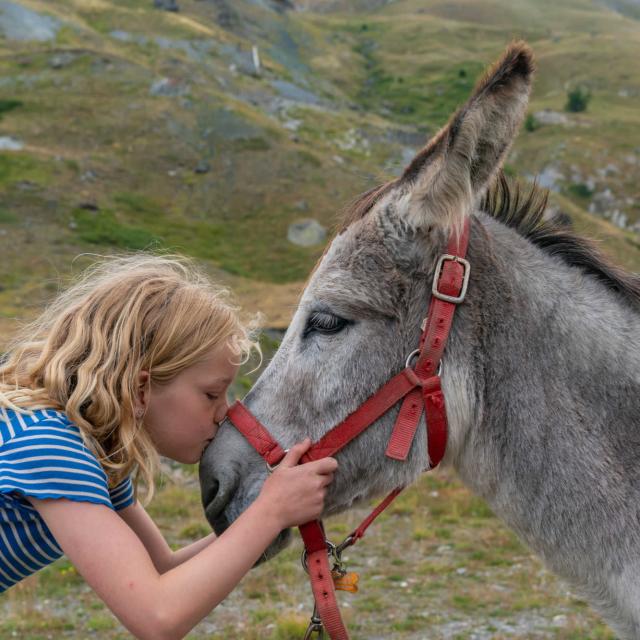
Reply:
x=446, y=179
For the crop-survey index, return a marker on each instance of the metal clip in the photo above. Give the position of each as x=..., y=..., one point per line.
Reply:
x=331, y=552
x=315, y=625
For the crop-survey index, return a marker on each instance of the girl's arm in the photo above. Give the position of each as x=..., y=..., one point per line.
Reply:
x=115, y=563
x=162, y=556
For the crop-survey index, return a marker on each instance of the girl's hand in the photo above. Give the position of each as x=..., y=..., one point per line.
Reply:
x=295, y=493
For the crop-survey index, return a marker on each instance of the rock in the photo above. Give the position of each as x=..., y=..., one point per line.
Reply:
x=7, y=143
x=27, y=185
x=602, y=202
x=619, y=219
x=294, y=93
x=306, y=233
x=548, y=116
x=166, y=5
x=19, y=23
x=61, y=60
x=202, y=167
x=168, y=87
x=549, y=178
x=609, y=170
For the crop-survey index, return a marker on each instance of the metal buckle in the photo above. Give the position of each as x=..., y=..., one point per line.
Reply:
x=465, y=279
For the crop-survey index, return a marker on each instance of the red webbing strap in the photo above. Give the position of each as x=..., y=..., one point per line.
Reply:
x=432, y=343
x=259, y=438
x=406, y=425
x=366, y=523
x=365, y=415
x=322, y=585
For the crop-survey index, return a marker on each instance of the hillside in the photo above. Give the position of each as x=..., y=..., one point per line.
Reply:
x=124, y=126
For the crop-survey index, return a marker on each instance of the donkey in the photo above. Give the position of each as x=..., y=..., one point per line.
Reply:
x=541, y=373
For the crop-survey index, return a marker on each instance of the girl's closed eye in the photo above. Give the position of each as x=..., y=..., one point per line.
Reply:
x=212, y=396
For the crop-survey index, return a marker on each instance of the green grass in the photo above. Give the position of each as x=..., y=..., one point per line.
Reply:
x=476, y=575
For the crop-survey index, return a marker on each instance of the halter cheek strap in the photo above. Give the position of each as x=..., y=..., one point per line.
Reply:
x=419, y=388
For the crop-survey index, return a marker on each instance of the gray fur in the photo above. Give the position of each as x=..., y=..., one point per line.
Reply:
x=541, y=375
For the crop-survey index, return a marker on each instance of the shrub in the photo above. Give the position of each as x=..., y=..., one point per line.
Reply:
x=577, y=99
x=530, y=123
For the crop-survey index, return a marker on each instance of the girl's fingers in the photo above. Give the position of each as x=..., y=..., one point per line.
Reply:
x=327, y=479
x=294, y=454
x=324, y=465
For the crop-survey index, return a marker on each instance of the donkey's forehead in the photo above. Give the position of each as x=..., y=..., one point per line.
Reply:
x=357, y=270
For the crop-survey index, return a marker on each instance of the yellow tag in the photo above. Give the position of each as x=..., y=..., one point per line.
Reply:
x=345, y=581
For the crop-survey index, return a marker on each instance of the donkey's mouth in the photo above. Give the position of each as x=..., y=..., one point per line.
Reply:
x=220, y=524
x=281, y=542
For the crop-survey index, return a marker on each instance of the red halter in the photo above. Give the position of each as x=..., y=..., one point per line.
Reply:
x=420, y=388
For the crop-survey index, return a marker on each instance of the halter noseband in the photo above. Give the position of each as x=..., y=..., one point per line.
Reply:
x=418, y=387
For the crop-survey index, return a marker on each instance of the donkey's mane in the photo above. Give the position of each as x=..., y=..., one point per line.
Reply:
x=524, y=212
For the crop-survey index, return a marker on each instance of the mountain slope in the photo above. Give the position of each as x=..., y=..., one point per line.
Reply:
x=125, y=127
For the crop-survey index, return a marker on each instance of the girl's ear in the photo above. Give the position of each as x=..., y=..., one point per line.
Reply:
x=142, y=391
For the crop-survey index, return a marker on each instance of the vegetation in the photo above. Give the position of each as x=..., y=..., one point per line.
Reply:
x=578, y=99
x=437, y=563
x=530, y=122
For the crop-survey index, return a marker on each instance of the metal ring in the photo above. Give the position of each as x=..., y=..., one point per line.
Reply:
x=347, y=542
x=410, y=357
x=272, y=467
x=416, y=352
x=331, y=551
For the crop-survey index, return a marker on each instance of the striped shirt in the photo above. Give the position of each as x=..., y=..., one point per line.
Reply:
x=42, y=455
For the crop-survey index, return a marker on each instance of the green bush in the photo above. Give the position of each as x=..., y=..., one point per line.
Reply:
x=580, y=190
x=530, y=123
x=577, y=99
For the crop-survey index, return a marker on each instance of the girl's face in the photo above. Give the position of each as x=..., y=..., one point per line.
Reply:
x=182, y=416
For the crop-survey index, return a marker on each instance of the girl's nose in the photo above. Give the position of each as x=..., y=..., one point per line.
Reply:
x=221, y=411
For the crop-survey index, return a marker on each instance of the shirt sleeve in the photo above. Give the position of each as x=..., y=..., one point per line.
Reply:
x=50, y=460
x=122, y=495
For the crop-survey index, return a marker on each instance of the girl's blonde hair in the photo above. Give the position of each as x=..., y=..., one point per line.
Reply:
x=125, y=314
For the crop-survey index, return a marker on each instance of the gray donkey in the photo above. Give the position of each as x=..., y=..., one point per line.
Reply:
x=541, y=372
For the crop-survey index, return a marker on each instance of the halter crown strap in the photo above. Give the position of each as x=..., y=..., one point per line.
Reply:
x=449, y=288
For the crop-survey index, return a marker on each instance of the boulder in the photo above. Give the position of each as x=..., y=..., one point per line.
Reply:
x=166, y=5
x=306, y=233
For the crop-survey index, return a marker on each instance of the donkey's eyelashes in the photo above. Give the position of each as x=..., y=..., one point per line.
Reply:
x=325, y=323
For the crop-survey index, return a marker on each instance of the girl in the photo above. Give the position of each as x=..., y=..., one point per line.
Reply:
x=132, y=362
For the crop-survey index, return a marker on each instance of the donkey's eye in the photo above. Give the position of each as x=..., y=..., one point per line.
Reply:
x=324, y=322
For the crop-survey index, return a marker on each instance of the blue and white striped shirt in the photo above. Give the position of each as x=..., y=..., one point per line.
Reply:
x=42, y=455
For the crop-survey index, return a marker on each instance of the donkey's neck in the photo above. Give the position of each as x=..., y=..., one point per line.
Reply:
x=554, y=440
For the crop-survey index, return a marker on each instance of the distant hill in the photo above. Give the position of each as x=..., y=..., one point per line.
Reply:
x=209, y=130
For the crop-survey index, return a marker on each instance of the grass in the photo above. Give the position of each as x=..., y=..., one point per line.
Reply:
x=476, y=576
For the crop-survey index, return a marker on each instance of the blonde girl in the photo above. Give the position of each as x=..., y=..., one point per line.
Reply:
x=132, y=362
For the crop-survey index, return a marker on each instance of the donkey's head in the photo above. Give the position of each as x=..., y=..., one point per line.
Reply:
x=360, y=313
